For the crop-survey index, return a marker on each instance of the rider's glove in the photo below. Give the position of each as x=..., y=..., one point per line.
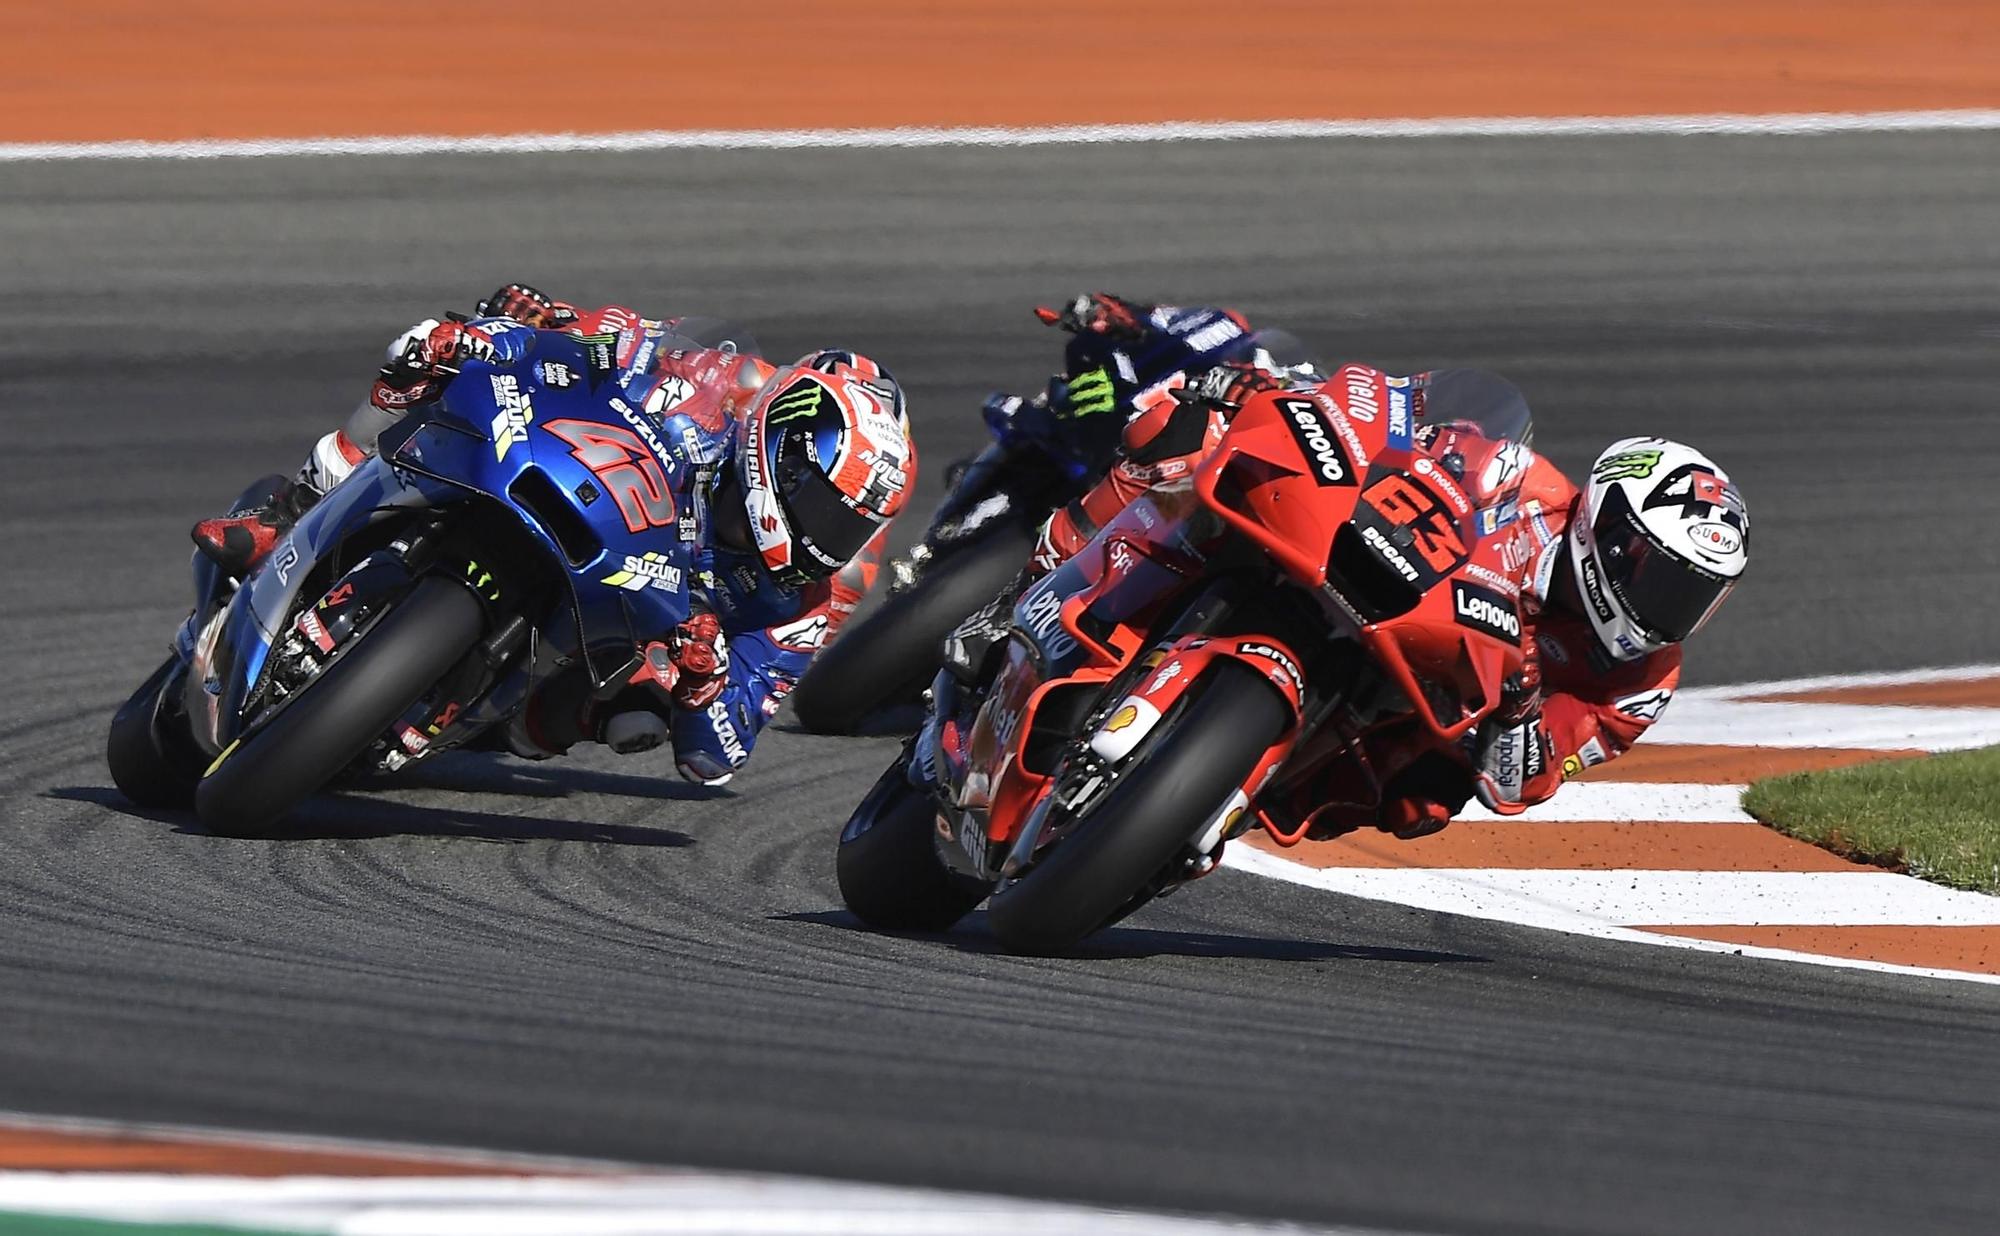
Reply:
x=1228, y=385
x=528, y=306
x=1099, y=313
x=701, y=656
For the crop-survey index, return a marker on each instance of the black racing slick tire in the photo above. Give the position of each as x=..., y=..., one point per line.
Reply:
x=149, y=767
x=1175, y=783
x=887, y=657
x=340, y=713
x=887, y=865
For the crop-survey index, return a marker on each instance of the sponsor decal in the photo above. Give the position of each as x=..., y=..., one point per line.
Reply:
x=413, y=740
x=671, y=392
x=313, y=629
x=1484, y=611
x=597, y=353
x=802, y=398
x=650, y=570
x=1645, y=706
x=1362, y=403
x=972, y=839
x=1041, y=614
x=726, y=735
x=510, y=423
x=556, y=374
x=1592, y=753
x=1503, y=765
x=1121, y=719
x=1168, y=672
x=1593, y=590
x=1626, y=466
x=1399, y=414
x=1330, y=466
x=1443, y=482
x=287, y=559
x=805, y=635
x=1571, y=766
x=1537, y=755
x=644, y=428
x=1494, y=518
x=1488, y=575
x=1213, y=335
x=1278, y=657
x=1630, y=647
x=1390, y=554
x=1715, y=537
x=1088, y=394
x=1552, y=649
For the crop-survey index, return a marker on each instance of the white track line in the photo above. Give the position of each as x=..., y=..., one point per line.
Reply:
x=1535, y=913
x=1837, y=682
x=687, y=1204
x=1626, y=898
x=1786, y=124
x=1593, y=802
x=1879, y=727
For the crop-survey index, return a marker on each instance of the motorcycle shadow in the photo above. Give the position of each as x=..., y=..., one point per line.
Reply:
x=1139, y=943
x=476, y=772
x=350, y=817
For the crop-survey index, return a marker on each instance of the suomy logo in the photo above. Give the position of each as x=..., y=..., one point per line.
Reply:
x=1302, y=418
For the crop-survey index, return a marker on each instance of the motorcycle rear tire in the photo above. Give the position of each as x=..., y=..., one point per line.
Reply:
x=147, y=766
x=347, y=707
x=887, y=657
x=1174, y=784
x=889, y=872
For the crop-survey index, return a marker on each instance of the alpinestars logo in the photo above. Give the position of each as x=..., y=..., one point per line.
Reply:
x=510, y=423
x=1484, y=611
x=1330, y=464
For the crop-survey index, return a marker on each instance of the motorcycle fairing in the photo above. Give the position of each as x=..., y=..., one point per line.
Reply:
x=487, y=434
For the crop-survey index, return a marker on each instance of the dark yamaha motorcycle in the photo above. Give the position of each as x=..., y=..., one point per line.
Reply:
x=1045, y=452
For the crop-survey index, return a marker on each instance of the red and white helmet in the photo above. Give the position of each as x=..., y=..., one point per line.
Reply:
x=1661, y=540
x=826, y=460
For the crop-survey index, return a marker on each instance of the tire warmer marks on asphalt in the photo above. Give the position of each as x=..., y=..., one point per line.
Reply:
x=1655, y=846
x=61, y=1177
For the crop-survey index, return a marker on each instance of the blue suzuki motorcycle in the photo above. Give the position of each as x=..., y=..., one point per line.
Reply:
x=1046, y=451
x=530, y=526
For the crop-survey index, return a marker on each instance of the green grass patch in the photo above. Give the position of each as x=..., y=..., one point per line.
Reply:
x=1938, y=818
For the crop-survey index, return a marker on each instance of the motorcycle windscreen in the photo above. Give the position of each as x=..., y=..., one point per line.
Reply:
x=1480, y=398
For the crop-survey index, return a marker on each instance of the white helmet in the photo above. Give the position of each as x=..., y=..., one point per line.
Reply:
x=1662, y=538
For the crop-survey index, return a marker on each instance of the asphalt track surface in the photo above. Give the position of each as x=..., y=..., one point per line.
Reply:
x=586, y=958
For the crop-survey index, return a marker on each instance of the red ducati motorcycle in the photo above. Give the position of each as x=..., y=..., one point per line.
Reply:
x=1324, y=604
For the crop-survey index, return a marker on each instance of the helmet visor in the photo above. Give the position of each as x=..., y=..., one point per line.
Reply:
x=1667, y=595
x=821, y=520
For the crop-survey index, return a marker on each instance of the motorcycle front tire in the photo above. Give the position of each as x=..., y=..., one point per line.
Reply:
x=336, y=717
x=887, y=657
x=1174, y=784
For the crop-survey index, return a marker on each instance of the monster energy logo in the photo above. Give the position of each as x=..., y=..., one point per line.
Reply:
x=1626, y=466
x=1090, y=393
x=802, y=399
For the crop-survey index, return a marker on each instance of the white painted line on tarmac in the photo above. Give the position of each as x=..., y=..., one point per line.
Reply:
x=1547, y=897
x=1527, y=912
x=1875, y=727
x=1718, y=123
x=686, y=1204
x=1839, y=682
x=1590, y=802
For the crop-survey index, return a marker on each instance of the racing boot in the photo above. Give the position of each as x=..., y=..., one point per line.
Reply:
x=239, y=541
